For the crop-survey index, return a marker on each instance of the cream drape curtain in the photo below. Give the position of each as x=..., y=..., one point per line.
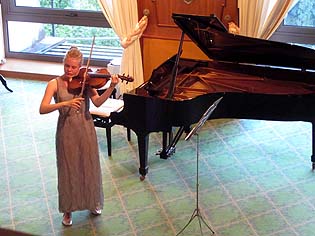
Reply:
x=122, y=15
x=260, y=18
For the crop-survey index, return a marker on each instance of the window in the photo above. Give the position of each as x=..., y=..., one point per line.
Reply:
x=45, y=29
x=299, y=25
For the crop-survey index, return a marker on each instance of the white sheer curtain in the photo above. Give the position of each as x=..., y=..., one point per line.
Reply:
x=122, y=15
x=260, y=18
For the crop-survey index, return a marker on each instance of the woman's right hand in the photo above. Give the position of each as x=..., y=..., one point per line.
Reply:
x=75, y=103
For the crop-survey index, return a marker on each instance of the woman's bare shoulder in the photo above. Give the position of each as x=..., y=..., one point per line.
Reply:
x=52, y=84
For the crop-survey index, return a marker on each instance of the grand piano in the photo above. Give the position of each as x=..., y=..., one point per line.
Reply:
x=257, y=79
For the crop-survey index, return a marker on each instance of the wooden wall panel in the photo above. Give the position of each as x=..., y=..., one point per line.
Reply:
x=156, y=51
x=161, y=24
x=164, y=10
x=161, y=38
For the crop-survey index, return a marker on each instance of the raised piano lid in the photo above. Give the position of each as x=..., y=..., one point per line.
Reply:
x=212, y=37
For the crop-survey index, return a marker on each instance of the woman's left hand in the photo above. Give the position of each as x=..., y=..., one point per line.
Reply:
x=114, y=81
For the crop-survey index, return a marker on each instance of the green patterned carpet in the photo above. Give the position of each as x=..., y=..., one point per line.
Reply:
x=255, y=177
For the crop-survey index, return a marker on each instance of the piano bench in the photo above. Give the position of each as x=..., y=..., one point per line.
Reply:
x=101, y=118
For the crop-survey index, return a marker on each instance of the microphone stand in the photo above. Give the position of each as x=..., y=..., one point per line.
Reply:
x=4, y=82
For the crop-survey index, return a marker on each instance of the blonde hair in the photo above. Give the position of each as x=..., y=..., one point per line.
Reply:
x=74, y=52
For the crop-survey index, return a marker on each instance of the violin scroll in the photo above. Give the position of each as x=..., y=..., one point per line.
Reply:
x=126, y=78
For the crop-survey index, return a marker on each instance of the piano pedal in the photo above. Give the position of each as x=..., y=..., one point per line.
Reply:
x=166, y=154
x=158, y=152
x=163, y=154
x=171, y=151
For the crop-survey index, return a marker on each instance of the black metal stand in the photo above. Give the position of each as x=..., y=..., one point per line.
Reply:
x=197, y=212
x=194, y=131
x=4, y=83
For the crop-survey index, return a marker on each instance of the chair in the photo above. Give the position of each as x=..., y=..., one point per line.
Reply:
x=101, y=117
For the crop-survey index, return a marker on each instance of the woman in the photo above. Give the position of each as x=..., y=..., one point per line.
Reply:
x=78, y=164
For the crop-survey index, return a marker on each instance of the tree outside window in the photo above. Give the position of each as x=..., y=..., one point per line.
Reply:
x=45, y=29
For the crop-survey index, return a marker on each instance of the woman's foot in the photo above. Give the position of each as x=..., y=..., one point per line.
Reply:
x=97, y=212
x=67, y=219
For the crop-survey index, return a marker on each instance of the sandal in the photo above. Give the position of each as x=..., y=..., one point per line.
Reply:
x=97, y=212
x=67, y=219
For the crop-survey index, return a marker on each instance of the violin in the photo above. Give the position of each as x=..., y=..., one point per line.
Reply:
x=95, y=79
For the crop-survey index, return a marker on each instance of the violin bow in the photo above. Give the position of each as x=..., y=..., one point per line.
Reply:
x=87, y=67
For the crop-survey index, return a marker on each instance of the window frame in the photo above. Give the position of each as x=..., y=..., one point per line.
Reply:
x=294, y=34
x=10, y=12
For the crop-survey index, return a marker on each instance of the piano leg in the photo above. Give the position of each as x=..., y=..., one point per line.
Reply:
x=313, y=146
x=143, y=143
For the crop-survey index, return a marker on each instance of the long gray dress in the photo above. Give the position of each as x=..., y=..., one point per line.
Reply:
x=79, y=172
